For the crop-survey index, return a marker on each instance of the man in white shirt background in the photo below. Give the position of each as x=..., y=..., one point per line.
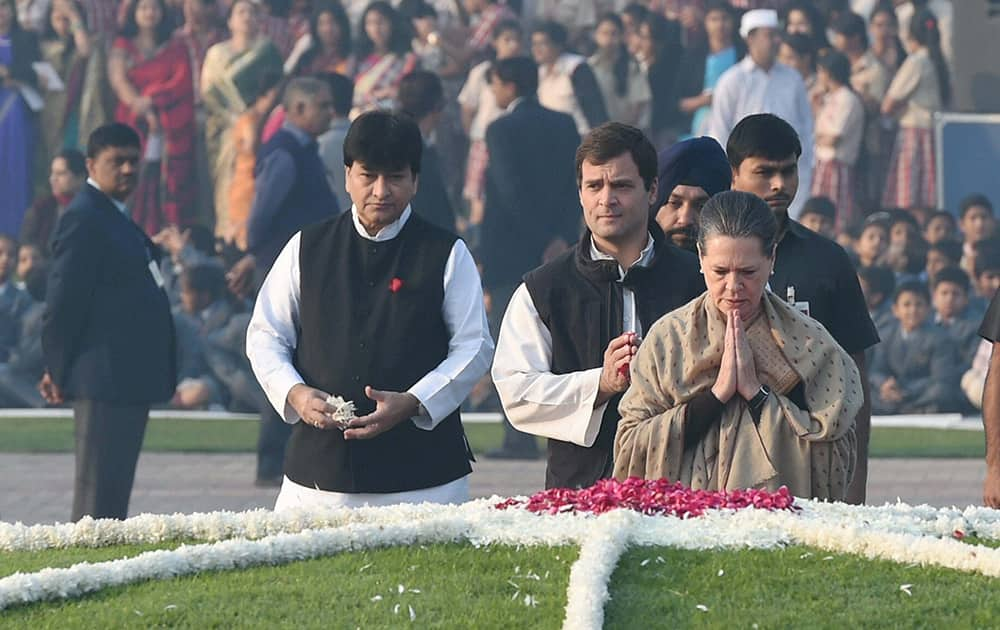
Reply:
x=759, y=84
x=382, y=308
x=574, y=324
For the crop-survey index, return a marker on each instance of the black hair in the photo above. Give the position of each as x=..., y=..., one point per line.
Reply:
x=879, y=279
x=384, y=142
x=915, y=287
x=636, y=11
x=15, y=24
x=36, y=280
x=925, y=30
x=343, y=25
x=738, y=214
x=955, y=276
x=721, y=5
x=506, y=25
x=816, y=21
x=232, y=7
x=852, y=25
x=163, y=30
x=557, y=34
x=764, y=136
x=112, y=135
x=205, y=278
x=973, y=201
x=342, y=91
x=623, y=62
x=75, y=161
x=837, y=66
x=666, y=36
x=278, y=8
x=202, y=239
x=399, y=40
x=606, y=142
x=420, y=94
x=987, y=256
x=941, y=214
x=949, y=248
x=413, y=9
x=822, y=206
x=268, y=79
x=521, y=71
x=898, y=215
x=802, y=45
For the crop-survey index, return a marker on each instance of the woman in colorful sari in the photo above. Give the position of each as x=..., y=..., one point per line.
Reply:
x=383, y=57
x=228, y=84
x=83, y=102
x=738, y=389
x=150, y=73
x=327, y=46
x=18, y=50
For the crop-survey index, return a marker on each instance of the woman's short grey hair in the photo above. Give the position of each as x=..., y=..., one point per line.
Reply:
x=738, y=215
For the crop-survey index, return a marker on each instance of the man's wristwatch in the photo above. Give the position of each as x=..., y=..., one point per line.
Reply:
x=759, y=398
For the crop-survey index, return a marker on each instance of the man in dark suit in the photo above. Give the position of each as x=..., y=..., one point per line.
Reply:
x=107, y=334
x=532, y=208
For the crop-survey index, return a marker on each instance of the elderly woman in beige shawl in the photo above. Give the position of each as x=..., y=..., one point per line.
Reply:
x=738, y=389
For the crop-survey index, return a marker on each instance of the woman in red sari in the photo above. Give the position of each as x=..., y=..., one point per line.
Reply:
x=152, y=78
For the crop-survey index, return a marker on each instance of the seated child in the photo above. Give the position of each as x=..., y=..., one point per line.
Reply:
x=13, y=301
x=940, y=226
x=820, y=215
x=952, y=313
x=203, y=310
x=944, y=253
x=872, y=243
x=915, y=369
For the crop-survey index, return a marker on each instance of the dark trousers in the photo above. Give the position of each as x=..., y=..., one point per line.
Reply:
x=271, y=443
x=514, y=442
x=108, y=440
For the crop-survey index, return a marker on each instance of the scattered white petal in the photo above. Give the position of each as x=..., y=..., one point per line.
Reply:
x=702, y=607
x=906, y=589
x=660, y=560
x=515, y=596
x=138, y=612
x=415, y=590
x=721, y=572
x=512, y=583
x=828, y=558
x=644, y=562
x=395, y=609
x=366, y=567
x=529, y=600
x=401, y=589
x=413, y=614
x=377, y=598
x=170, y=607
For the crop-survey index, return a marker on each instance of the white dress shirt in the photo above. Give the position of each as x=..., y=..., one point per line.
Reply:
x=536, y=401
x=747, y=89
x=272, y=339
x=118, y=204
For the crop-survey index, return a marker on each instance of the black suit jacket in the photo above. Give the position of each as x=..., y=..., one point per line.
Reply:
x=107, y=333
x=531, y=193
x=431, y=200
x=26, y=52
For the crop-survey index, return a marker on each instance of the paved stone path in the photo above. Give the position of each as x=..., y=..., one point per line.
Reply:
x=39, y=488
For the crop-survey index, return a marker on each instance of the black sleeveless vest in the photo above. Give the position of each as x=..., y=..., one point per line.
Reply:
x=580, y=301
x=370, y=314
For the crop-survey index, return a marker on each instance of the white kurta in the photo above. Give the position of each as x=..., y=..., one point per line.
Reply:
x=536, y=401
x=272, y=339
x=747, y=89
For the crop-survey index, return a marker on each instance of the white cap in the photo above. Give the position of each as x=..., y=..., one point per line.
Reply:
x=758, y=18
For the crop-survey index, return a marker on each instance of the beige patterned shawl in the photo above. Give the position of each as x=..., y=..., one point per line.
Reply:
x=812, y=453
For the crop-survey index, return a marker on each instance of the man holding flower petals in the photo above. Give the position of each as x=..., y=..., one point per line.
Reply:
x=384, y=310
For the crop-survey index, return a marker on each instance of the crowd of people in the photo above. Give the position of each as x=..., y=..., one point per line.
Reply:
x=235, y=101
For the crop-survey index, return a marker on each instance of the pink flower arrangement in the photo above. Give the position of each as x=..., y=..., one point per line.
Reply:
x=653, y=497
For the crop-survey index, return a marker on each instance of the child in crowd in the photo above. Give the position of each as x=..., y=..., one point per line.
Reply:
x=986, y=272
x=976, y=219
x=940, y=226
x=907, y=253
x=23, y=368
x=840, y=125
x=916, y=368
x=13, y=301
x=878, y=285
x=950, y=297
x=819, y=214
x=29, y=256
x=203, y=310
x=872, y=243
x=941, y=254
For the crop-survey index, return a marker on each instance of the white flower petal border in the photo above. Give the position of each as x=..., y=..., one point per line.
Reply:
x=899, y=533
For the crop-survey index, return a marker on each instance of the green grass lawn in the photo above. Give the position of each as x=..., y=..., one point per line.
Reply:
x=463, y=587
x=240, y=436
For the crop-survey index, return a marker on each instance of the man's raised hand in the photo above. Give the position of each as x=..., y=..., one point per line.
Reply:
x=617, y=364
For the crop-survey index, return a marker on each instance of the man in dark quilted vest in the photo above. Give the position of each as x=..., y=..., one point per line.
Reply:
x=384, y=310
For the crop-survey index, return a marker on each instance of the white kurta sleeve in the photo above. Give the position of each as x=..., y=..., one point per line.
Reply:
x=558, y=406
x=470, y=349
x=724, y=103
x=271, y=336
